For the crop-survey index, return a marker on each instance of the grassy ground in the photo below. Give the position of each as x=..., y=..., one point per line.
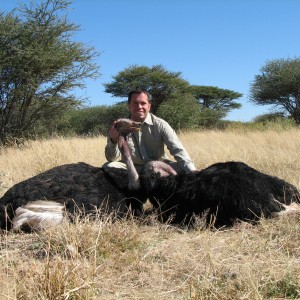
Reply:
x=130, y=259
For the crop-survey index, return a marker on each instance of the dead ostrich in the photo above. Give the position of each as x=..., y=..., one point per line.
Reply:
x=73, y=188
x=223, y=192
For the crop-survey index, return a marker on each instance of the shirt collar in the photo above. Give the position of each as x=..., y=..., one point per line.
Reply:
x=148, y=119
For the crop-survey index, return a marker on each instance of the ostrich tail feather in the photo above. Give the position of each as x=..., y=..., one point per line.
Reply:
x=37, y=215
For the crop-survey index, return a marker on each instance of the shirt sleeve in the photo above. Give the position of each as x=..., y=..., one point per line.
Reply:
x=112, y=151
x=176, y=148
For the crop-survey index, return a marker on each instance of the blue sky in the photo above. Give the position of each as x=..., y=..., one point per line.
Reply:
x=221, y=43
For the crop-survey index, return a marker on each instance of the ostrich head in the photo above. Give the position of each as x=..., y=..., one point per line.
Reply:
x=126, y=126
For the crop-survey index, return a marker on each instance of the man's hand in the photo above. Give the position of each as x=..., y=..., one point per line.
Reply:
x=113, y=133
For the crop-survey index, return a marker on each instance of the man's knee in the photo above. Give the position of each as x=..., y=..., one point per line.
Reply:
x=115, y=165
x=117, y=171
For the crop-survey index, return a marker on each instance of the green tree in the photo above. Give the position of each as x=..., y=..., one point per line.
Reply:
x=165, y=86
x=180, y=112
x=279, y=85
x=40, y=66
x=160, y=83
x=218, y=102
x=271, y=117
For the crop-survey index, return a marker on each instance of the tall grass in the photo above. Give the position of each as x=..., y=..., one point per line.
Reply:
x=130, y=259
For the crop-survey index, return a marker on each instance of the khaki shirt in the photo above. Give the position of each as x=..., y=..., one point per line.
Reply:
x=148, y=144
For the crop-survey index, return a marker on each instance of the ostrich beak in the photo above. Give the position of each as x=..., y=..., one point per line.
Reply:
x=134, y=126
x=126, y=126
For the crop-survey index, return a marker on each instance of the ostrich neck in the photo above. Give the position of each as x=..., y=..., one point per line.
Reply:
x=133, y=176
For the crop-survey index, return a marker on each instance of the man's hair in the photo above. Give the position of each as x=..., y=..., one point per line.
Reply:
x=138, y=92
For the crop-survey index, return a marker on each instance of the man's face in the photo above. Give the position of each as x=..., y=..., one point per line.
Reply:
x=139, y=106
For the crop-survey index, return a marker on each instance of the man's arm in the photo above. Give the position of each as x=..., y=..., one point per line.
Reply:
x=112, y=151
x=176, y=148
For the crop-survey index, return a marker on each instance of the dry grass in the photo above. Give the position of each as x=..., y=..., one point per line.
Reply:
x=127, y=259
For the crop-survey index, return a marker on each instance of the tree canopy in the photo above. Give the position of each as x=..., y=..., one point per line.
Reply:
x=40, y=66
x=279, y=85
x=216, y=99
x=159, y=82
x=171, y=94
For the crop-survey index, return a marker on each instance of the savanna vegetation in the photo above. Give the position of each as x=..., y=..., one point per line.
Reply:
x=143, y=259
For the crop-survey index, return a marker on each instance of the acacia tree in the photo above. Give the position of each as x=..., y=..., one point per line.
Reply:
x=40, y=66
x=160, y=83
x=165, y=86
x=214, y=99
x=279, y=86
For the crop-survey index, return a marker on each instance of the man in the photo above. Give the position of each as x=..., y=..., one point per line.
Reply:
x=148, y=143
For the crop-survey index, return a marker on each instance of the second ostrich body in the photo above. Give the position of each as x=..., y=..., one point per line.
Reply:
x=224, y=192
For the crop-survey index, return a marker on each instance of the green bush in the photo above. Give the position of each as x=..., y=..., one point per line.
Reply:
x=90, y=121
x=181, y=113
